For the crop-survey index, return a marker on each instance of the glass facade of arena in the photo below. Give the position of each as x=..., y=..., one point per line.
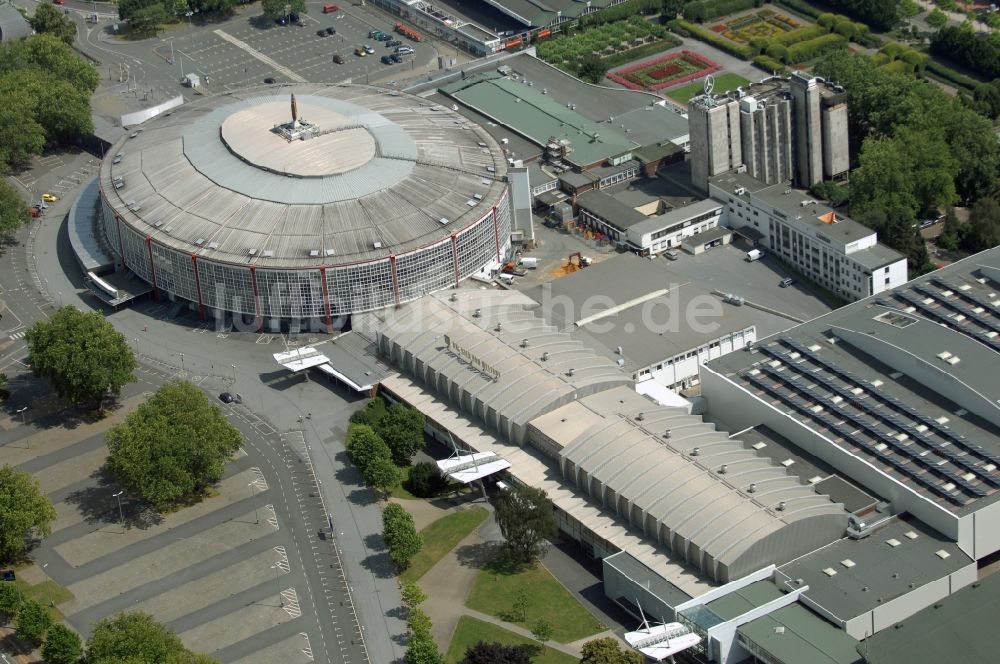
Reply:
x=255, y=290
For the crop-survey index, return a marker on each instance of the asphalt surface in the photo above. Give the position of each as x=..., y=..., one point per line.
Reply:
x=282, y=416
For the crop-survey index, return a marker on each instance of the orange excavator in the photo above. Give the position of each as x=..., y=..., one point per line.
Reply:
x=574, y=263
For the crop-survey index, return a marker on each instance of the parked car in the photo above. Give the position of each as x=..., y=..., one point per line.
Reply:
x=368, y=49
x=393, y=43
x=50, y=198
x=786, y=282
x=404, y=50
x=117, y=159
x=373, y=34
x=330, y=8
x=281, y=20
x=331, y=30
x=383, y=37
x=395, y=58
x=293, y=17
x=338, y=58
x=226, y=397
x=360, y=51
x=269, y=81
x=321, y=33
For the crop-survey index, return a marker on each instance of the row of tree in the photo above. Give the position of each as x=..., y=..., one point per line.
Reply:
x=879, y=14
x=46, y=89
x=978, y=51
x=33, y=624
x=917, y=149
x=400, y=534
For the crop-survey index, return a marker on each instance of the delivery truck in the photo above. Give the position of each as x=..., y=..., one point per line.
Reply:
x=754, y=255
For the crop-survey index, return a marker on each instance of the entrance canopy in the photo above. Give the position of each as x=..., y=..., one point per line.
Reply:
x=466, y=468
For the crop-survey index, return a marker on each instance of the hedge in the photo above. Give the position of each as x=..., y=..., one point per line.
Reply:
x=668, y=42
x=949, y=75
x=799, y=7
x=680, y=26
x=704, y=10
x=769, y=64
x=619, y=12
x=799, y=35
x=814, y=48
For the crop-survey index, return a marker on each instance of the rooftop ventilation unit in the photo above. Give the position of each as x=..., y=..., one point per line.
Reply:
x=200, y=241
x=477, y=313
x=545, y=356
x=251, y=252
x=524, y=343
x=213, y=245
x=444, y=221
x=723, y=468
x=570, y=371
x=695, y=451
x=751, y=488
x=267, y=253
x=667, y=434
x=314, y=253
x=377, y=245
x=621, y=363
x=781, y=506
x=640, y=417
x=328, y=252
x=499, y=327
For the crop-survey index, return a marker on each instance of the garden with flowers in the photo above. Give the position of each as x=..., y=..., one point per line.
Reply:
x=665, y=71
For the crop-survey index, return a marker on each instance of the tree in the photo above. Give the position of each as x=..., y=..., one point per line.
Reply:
x=834, y=192
x=542, y=630
x=400, y=535
x=24, y=510
x=147, y=20
x=48, y=53
x=138, y=637
x=81, y=354
x=937, y=19
x=172, y=446
x=526, y=518
x=402, y=429
x=365, y=446
x=62, y=110
x=519, y=607
x=32, y=621
x=951, y=233
x=412, y=594
x=983, y=228
x=381, y=474
x=908, y=8
x=20, y=137
x=592, y=68
x=419, y=623
x=48, y=19
x=496, y=653
x=422, y=651
x=219, y=8
x=425, y=480
x=10, y=599
x=607, y=651
x=13, y=210
x=62, y=645
x=275, y=8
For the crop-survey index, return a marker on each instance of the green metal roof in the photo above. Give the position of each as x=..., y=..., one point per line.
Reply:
x=795, y=635
x=651, y=153
x=961, y=628
x=740, y=601
x=536, y=116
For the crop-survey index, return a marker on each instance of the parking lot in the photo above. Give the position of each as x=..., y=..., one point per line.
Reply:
x=251, y=49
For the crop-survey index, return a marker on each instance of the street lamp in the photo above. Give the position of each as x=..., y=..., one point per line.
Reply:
x=136, y=340
x=277, y=584
x=234, y=372
x=253, y=500
x=182, y=362
x=121, y=514
x=21, y=412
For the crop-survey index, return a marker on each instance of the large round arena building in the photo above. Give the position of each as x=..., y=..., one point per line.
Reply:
x=306, y=201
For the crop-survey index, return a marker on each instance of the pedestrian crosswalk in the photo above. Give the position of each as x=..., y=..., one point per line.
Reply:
x=18, y=335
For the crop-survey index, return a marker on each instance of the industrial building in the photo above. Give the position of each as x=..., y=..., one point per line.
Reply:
x=896, y=391
x=861, y=486
x=829, y=248
x=598, y=136
x=305, y=202
x=777, y=130
x=652, y=235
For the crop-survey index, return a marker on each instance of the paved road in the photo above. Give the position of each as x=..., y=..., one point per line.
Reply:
x=168, y=341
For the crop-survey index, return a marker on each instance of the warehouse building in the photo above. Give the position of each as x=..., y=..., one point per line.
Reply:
x=223, y=203
x=896, y=392
x=829, y=248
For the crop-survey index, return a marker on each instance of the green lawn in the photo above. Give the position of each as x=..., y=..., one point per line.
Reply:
x=471, y=631
x=441, y=537
x=400, y=490
x=723, y=83
x=47, y=593
x=496, y=589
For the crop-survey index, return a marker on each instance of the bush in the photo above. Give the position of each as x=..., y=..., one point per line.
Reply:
x=949, y=75
x=32, y=622
x=709, y=37
x=777, y=52
x=769, y=64
x=799, y=35
x=800, y=7
x=704, y=10
x=814, y=48
x=425, y=480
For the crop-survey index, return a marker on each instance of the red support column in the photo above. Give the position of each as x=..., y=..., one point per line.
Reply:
x=197, y=285
x=326, y=301
x=152, y=267
x=454, y=255
x=121, y=245
x=258, y=319
x=395, y=279
x=496, y=232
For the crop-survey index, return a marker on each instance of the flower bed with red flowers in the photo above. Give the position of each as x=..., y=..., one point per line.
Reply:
x=665, y=71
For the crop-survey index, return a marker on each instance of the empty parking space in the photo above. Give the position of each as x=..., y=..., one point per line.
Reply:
x=236, y=626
